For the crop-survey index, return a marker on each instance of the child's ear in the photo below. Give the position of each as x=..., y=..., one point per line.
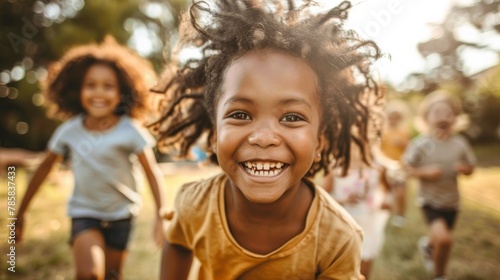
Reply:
x=213, y=142
x=319, y=147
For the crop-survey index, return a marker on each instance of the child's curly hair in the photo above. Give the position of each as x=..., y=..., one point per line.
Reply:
x=339, y=57
x=135, y=76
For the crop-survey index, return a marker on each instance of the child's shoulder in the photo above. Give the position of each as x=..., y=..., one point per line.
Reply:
x=421, y=140
x=129, y=123
x=73, y=123
x=198, y=194
x=459, y=138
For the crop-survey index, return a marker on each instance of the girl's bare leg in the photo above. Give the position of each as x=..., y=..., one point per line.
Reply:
x=89, y=255
x=114, y=263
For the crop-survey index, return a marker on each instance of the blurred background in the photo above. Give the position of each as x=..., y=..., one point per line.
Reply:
x=429, y=45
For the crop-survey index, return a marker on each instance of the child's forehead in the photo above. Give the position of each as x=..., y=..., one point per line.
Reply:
x=269, y=55
x=441, y=105
x=272, y=61
x=277, y=75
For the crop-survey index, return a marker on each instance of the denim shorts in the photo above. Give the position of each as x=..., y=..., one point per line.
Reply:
x=116, y=233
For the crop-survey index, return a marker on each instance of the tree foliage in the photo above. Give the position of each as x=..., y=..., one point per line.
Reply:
x=445, y=54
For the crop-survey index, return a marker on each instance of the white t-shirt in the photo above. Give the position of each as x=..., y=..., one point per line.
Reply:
x=101, y=161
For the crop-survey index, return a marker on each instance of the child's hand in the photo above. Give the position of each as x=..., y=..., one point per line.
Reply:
x=353, y=198
x=158, y=233
x=166, y=214
x=463, y=168
x=432, y=172
x=19, y=228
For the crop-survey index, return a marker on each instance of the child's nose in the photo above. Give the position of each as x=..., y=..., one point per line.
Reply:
x=264, y=136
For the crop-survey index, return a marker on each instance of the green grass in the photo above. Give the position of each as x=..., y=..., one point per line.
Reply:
x=45, y=254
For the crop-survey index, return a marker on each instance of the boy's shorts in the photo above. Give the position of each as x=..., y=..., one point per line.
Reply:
x=116, y=233
x=448, y=215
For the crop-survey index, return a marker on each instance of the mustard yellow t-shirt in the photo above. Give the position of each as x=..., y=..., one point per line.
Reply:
x=394, y=142
x=328, y=248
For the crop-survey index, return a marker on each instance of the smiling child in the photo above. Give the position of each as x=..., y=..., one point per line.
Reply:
x=273, y=93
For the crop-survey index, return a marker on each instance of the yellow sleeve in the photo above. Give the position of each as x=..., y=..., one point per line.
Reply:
x=177, y=233
x=346, y=264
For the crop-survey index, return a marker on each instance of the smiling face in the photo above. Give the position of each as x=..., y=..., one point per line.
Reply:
x=100, y=93
x=268, y=122
x=441, y=116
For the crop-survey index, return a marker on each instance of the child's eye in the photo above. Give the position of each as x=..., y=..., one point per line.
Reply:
x=239, y=116
x=292, y=118
x=89, y=85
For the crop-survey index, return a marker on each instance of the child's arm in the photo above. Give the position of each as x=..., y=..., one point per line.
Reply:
x=466, y=165
x=464, y=168
x=412, y=161
x=424, y=172
x=155, y=179
x=175, y=262
x=36, y=181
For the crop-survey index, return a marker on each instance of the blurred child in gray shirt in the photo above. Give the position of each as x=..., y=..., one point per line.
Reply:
x=436, y=158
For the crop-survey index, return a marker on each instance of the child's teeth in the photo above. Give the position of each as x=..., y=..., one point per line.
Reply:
x=264, y=168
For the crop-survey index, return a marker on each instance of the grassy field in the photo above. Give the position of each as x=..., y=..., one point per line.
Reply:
x=45, y=253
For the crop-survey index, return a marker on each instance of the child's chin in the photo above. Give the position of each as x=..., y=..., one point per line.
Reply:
x=444, y=126
x=264, y=198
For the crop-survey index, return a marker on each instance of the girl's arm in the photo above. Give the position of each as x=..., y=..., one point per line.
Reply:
x=155, y=179
x=175, y=262
x=36, y=181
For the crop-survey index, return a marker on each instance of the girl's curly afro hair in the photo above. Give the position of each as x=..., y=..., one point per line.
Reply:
x=135, y=77
x=232, y=28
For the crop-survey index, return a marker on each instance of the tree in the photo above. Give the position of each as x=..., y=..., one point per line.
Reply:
x=447, y=47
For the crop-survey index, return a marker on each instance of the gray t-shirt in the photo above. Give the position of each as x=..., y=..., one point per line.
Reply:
x=103, y=164
x=426, y=151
